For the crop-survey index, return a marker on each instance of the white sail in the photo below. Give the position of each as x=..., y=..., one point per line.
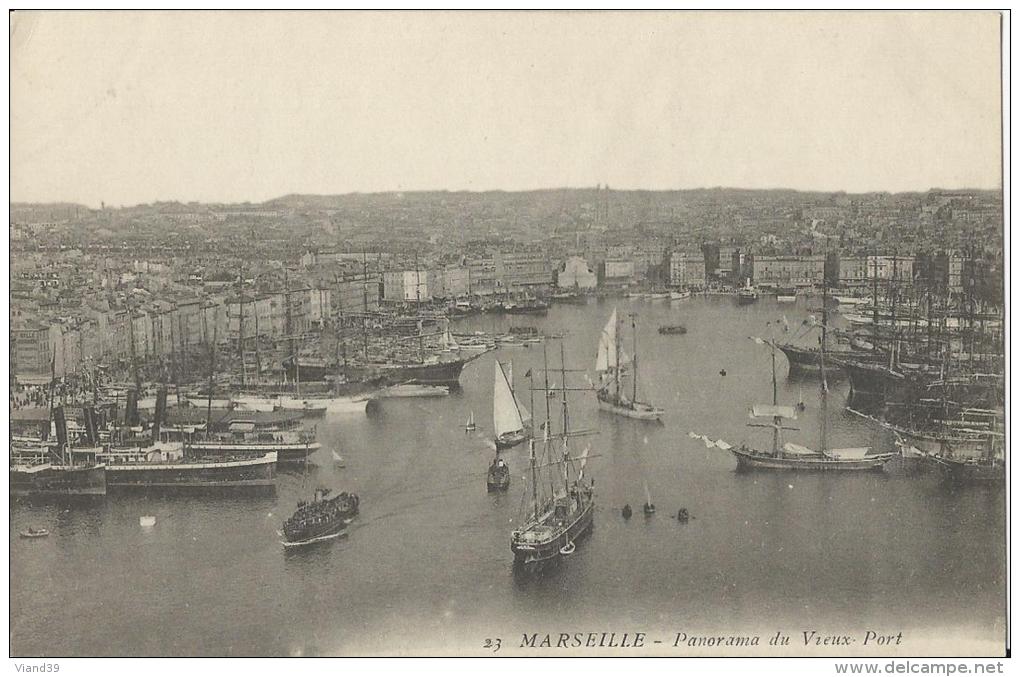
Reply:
x=606, y=358
x=525, y=414
x=584, y=460
x=798, y=450
x=772, y=411
x=506, y=418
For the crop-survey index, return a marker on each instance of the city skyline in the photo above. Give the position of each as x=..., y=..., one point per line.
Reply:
x=232, y=108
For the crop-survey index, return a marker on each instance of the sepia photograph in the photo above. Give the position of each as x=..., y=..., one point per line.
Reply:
x=509, y=334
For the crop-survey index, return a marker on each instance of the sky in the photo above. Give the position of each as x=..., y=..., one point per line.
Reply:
x=125, y=108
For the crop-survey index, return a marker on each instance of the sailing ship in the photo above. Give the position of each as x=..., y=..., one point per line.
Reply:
x=555, y=521
x=791, y=456
x=609, y=363
x=508, y=416
x=470, y=425
x=322, y=519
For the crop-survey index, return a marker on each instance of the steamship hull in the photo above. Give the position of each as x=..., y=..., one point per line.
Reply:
x=55, y=480
x=198, y=474
x=284, y=452
x=438, y=373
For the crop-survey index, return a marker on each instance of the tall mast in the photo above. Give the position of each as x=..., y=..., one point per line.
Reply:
x=618, y=366
x=417, y=309
x=258, y=355
x=548, y=408
x=874, y=302
x=776, y=421
x=212, y=370
x=821, y=363
x=134, y=354
x=534, y=477
x=566, y=422
x=893, y=293
x=531, y=401
x=240, y=335
x=364, y=300
x=633, y=328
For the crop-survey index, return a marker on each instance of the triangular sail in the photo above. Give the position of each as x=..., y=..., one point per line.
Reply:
x=606, y=358
x=525, y=414
x=506, y=418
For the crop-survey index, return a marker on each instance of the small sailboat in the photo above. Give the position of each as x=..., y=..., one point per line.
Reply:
x=470, y=425
x=507, y=418
x=568, y=549
x=649, y=507
x=609, y=364
x=338, y=460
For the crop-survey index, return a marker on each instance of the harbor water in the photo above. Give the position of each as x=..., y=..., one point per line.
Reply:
x=426, y=567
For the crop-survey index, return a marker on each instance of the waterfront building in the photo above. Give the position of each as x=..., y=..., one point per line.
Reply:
x=575, y=274
x=616, y=273
x=787, y=270
x=686, y=269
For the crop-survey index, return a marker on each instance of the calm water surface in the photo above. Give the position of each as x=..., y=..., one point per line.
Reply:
x=427, y=565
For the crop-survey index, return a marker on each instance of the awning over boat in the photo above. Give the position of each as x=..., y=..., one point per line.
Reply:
x=772, y=411
x=850, y=452
x=798, y=450
x=242, y=427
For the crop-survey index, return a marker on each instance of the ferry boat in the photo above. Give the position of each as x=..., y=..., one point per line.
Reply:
x=322, y=519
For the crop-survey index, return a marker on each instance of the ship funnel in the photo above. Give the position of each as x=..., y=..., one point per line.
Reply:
x=131, y=408
x=159, y=415
x=61, y=424
x=91, y=429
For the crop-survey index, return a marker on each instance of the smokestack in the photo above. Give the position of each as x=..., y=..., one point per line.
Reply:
x=131, y=408
x=91, y=431
x=61, y=423
x=160, y=414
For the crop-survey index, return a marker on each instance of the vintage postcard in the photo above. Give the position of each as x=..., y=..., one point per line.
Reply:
x=576, y=333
